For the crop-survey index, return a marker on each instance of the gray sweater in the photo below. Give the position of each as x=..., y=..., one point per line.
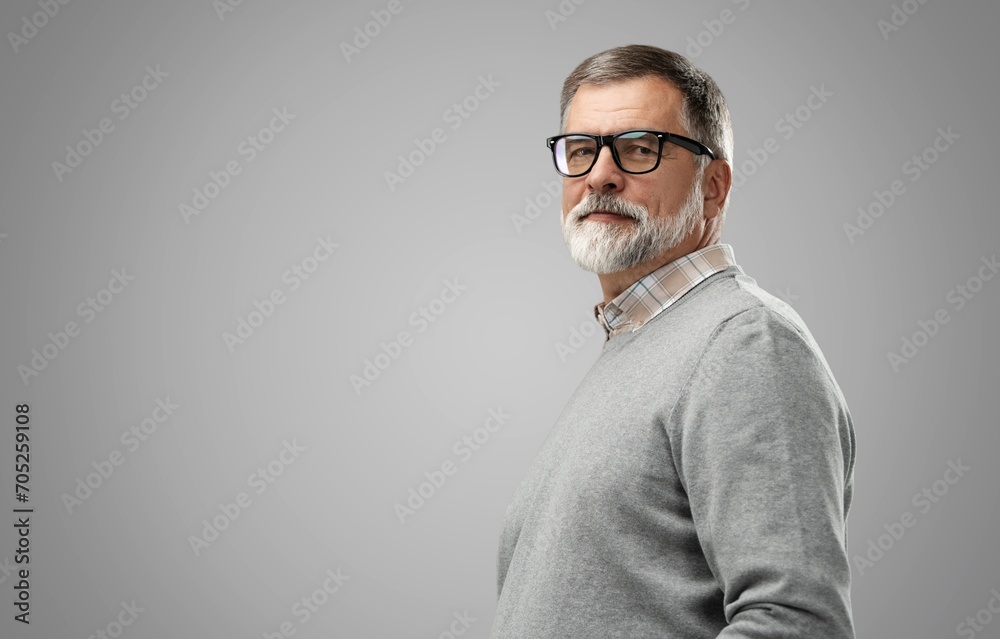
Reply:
x=697, y=484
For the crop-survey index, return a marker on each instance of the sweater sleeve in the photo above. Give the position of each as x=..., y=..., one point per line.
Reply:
x=764, y=445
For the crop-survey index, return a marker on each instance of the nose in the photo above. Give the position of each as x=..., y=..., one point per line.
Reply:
x=605, y=176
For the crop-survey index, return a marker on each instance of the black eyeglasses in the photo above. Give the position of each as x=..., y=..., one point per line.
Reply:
x=636, y=152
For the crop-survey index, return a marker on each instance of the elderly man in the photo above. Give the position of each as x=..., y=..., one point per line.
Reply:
x=697, y=483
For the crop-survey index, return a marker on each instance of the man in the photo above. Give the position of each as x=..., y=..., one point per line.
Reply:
x=698, y=482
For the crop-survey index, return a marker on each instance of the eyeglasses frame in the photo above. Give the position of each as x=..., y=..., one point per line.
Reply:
x=608, y=140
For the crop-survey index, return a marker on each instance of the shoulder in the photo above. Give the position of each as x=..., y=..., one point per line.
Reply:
x=725, y=302
x=752, y=342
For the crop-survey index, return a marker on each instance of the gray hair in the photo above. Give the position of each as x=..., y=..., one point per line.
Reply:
x=704, y=112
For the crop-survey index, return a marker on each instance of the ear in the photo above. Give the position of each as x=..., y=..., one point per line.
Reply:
x=715, y=186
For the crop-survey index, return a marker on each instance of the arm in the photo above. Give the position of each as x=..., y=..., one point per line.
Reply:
x=764, y=445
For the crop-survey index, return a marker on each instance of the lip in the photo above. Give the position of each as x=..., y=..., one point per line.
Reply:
x=605, y=216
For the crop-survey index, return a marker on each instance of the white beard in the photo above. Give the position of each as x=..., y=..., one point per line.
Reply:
x=609, y=247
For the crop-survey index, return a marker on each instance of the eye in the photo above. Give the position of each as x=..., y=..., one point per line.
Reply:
x=638, y=145
x=639, y=150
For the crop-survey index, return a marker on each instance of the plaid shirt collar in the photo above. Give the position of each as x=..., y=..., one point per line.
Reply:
x=657, y=291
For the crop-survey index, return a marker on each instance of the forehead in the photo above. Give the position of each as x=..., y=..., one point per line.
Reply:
x=641, y=103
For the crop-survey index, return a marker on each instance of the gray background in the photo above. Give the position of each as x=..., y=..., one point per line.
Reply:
x=494, y=347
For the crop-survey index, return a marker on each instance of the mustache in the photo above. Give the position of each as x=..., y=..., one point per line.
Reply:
x=608, y=203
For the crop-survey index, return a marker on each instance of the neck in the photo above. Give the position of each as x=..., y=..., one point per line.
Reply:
x=614, y=284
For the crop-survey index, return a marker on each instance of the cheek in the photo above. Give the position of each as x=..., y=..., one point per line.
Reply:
x=572, y=194
x=664, y=199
